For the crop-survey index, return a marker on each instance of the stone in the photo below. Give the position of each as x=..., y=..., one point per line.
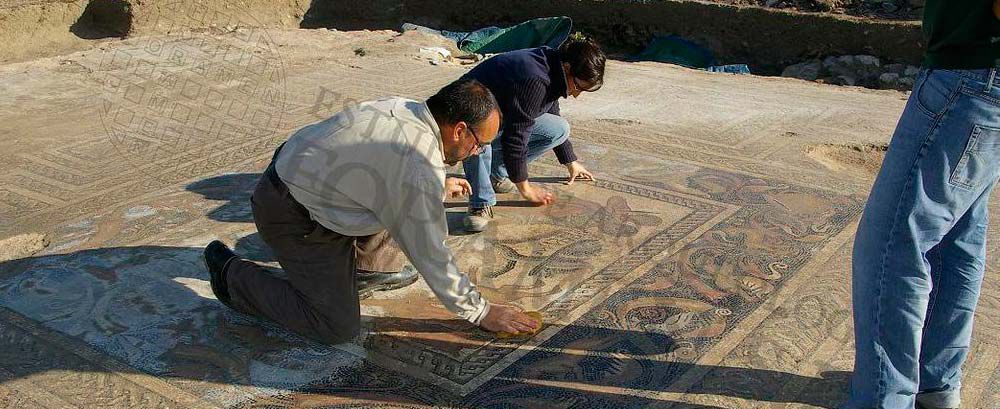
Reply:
x=911, y=71
x=827, y=5
x=833, y=61
x=867, y=61
x=841, y=64
x=808, y=70
x=848, y=80
x=855, y=69
x=435, y=53
x=889, y=80
x=894, y=68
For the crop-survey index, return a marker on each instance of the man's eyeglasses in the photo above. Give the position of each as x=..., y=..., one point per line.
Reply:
x=479, y=148
x=584, y=87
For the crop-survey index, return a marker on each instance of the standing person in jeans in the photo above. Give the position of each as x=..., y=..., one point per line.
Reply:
x=920, y=249
x=340, y=195
x=528, y=84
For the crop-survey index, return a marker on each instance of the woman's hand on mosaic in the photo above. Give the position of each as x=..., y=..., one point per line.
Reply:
x=456, y=187
x=538, y=196
x=502, y=318
x=576, y=170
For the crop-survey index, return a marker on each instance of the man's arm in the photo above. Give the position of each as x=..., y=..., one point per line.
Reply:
x=416, y=221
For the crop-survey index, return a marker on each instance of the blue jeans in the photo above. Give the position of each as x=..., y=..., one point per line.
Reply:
x=920, y=250
x=549, y=131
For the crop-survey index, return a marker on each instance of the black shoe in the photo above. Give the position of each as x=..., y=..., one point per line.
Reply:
x=922, y=406
x=217, y=257
x=370, y=281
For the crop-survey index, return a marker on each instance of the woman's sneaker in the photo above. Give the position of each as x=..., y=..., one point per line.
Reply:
x=478, y=218
x=502, y=185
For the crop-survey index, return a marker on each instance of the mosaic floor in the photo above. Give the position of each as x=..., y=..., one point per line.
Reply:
x=705, y=268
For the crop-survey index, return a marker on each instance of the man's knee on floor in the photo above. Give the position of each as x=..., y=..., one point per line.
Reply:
x=338, y=333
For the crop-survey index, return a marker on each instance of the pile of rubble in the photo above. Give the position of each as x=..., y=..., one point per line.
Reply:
x=856, y=70
x=890, y=9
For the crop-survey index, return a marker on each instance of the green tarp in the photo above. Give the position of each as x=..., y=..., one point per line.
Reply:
x=549, y=31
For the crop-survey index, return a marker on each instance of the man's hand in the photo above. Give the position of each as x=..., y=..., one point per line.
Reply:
x=576, y=170
x=456, y=187
x=538, y=196
x=502, y=318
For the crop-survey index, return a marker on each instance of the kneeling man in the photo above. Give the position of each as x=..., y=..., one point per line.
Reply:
x=341, y=194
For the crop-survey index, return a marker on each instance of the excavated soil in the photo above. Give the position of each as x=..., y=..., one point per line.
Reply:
x=863, y=159
x=23, y=245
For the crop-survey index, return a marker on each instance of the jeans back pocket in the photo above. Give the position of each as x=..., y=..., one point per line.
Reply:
x=980, y=160
x=935, y=90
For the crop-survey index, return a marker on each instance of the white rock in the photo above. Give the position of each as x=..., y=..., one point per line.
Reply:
x=435, y=53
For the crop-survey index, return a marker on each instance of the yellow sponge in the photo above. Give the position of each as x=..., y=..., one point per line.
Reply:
x=533, y=314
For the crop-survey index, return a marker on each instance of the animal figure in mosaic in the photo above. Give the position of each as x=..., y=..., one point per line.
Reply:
x=733, y=261
x=780, y=208
x=568, y=258
x=617, y=363
x=615, y=219
x=776, y=228
x=680, y=318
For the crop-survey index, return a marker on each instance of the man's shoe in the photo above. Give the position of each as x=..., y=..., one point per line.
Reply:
x=478, y=218
x=217, y=257
x=371, y=281
x=502, y=185
x=922, y=406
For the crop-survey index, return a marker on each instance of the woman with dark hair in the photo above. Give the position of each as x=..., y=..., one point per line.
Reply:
x=528, y=84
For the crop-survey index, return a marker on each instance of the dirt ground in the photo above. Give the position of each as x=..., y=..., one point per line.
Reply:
x=707, y=267
x=895, y=10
